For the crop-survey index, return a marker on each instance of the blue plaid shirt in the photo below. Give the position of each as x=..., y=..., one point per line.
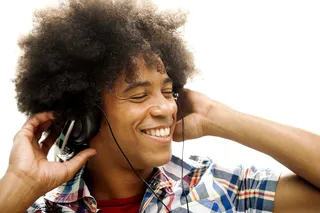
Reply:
x=208, y=186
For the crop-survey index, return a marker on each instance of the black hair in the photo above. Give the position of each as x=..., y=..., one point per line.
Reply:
x=77, y=50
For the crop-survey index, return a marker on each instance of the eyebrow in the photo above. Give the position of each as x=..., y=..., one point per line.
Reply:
x=145, y=84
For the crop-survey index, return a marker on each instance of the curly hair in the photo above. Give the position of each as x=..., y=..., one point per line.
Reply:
x=77, y=50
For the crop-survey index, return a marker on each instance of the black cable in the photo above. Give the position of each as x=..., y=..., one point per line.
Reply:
x=114, y=138
x=182, y=126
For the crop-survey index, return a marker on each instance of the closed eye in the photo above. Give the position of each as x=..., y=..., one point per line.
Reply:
x=168, y=94
x=139, y=97
x=142, y=97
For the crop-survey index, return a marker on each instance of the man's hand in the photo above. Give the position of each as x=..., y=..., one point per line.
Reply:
x=198, y=111
x=296, y=149
x=28, y=160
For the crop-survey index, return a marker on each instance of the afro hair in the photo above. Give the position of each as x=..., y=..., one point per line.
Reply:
x=77, y=50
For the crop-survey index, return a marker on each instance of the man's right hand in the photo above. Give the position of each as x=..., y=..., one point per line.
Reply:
x=28, y=160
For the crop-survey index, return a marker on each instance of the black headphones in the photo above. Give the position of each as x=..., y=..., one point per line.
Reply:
x=85, y=128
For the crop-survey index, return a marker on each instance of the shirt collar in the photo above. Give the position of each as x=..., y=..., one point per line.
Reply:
x=164, y=178
x=70, y=191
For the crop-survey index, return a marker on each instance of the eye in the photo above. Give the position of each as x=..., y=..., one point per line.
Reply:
x=138, y=98
x=168, y=93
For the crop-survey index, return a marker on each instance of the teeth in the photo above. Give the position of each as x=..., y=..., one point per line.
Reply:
x=167, y=131
x=163, y=132
x=153, y=132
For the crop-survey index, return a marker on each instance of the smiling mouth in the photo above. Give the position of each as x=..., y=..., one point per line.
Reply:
x=161, y=132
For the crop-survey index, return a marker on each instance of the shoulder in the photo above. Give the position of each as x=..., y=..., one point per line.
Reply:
x=231, y=186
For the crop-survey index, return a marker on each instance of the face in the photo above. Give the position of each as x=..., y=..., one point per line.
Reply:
x=142, y=115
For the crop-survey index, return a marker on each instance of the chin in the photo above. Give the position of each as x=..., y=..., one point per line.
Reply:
x=155, y=160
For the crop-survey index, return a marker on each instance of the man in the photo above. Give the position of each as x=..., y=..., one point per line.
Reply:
x=125, y=60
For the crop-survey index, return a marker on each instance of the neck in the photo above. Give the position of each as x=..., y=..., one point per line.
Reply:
x=107, y=179
x=108, y=184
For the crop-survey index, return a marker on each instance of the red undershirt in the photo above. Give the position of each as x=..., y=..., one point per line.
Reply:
x=126, y=205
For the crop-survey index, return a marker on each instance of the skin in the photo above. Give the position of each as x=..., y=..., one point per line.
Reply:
x=29, y=174
x=149, y=105
x=298, y=189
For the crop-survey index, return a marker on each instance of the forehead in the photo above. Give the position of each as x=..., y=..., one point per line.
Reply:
x=141, y=71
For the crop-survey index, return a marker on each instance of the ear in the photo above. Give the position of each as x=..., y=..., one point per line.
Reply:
x=85, y=128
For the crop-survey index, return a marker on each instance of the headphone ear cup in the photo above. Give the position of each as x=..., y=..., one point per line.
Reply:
x=85, y=128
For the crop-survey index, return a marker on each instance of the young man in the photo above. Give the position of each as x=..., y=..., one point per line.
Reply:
x=124, y=61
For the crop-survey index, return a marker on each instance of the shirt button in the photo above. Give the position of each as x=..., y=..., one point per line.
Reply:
x=154, y=185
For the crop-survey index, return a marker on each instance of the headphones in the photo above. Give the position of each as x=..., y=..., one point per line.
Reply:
x=81, y=131
x=86, y=127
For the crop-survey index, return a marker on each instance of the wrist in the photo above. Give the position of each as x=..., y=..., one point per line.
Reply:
x=16, y=194
x=219, y=119
x=19, y=186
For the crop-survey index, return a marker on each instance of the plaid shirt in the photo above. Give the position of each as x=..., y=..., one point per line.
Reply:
x=209, y=188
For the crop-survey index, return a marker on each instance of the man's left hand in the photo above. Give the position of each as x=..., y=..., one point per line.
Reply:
x=195, y=108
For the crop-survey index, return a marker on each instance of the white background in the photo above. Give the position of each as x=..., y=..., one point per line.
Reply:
x=259, y=57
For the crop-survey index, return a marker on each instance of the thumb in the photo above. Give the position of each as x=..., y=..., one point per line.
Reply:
x=75, y=164
x=188, y=128
x=177, y=134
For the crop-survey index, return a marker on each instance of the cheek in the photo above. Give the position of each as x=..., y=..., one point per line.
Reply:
x=132, y=114
x=128, y=114
x=175, y=107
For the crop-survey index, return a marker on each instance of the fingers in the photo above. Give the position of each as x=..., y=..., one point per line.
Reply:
x=35, y=120
x=32, y=124
x=49, y=140
x=184, y=104
x=181, y=131
x=191, y=129
x=75, y=164
x=177, y=135
x=41, y=128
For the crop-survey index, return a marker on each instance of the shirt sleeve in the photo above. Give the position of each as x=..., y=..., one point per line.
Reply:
x=250, y=189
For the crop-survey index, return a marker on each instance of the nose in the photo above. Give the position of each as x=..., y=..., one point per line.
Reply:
x=164, y=107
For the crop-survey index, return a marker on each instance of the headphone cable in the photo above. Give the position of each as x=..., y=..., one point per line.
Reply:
x=182, y=126
x=114, y=138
